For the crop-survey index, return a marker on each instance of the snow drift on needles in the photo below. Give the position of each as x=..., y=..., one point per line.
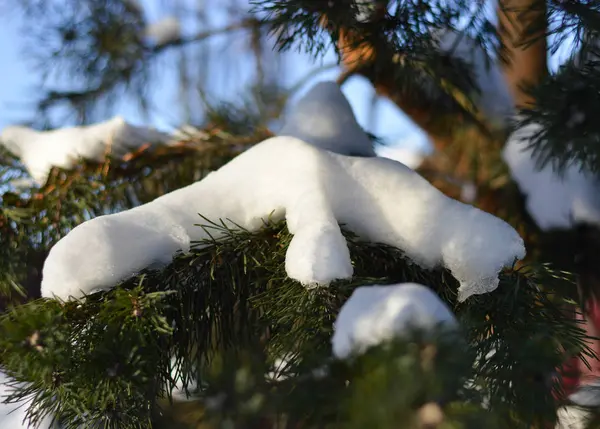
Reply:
x=379, y=199
x=39, y=151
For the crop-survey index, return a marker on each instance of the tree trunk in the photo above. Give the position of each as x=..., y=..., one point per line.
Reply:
x=522, y=27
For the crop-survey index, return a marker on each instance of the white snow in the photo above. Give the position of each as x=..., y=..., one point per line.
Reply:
x=324, y=118
x=552, y=201
x=468, y=192
x=41, y=150
x=571, y=417
x=279, y=368
x=164, y=31
x=12, y=416
x=375, y=314
x=283, y=177
x=180, y=394
x=493, y=98
x=587, y=395
x=411, y=157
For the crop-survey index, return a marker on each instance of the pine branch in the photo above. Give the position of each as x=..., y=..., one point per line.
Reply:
x=564, y=101
x=567, y=137
x=233, y=295
x=388, y=49
x=385, y=65
x=29, y=228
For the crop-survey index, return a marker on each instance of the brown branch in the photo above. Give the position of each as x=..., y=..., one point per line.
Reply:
x=377, y=62
x=358, y=58
x=464, y=152
x=53, y=97
x=522, y=28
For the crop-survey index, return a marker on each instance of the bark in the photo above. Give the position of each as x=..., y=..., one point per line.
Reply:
x=450, y=136
x=359, y=58
x=522, y=26
x=444, y=128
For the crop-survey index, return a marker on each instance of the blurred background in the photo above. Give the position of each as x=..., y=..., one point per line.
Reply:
x=198, y=54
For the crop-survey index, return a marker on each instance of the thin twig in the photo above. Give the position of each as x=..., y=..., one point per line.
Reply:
x=203, y=35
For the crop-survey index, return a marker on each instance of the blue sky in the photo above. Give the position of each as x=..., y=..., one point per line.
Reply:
x=18, y=80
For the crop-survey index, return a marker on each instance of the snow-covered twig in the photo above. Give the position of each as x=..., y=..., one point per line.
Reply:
x=39, y=151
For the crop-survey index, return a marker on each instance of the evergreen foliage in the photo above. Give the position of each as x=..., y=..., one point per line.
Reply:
x=563, y=115
x=565, y=99
x=110, y=358
x=34, y=218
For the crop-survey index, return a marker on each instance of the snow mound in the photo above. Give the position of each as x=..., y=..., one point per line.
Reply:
x=411, y=157
x=379, y=199
x=324, y=118
x=494, y=97
x=375, y=314
x=571, y=417
x=553, y=201
x=12, y=416
x=41, y=150
x=164, y=31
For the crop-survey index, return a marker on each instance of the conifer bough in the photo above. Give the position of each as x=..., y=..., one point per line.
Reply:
x=229, y=308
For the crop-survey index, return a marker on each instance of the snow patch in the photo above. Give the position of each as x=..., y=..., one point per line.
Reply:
x=279, y=369
x=164, y=31
x=41, y=150
x=411, y=157
x=178, y=392
x=468, y=192
x=283, y=177
x=13, y=415
x=571, y=417
x=587, y=395
x=375, y=314
x=552, y=201
x=324, y=118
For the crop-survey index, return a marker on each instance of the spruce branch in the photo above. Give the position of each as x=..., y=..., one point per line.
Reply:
x=29, y=228
x=233, y=295
x=389, y=49
x=567, y=136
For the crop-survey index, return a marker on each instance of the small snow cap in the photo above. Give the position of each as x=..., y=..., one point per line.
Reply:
x=375, y=314
x=324, y=118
